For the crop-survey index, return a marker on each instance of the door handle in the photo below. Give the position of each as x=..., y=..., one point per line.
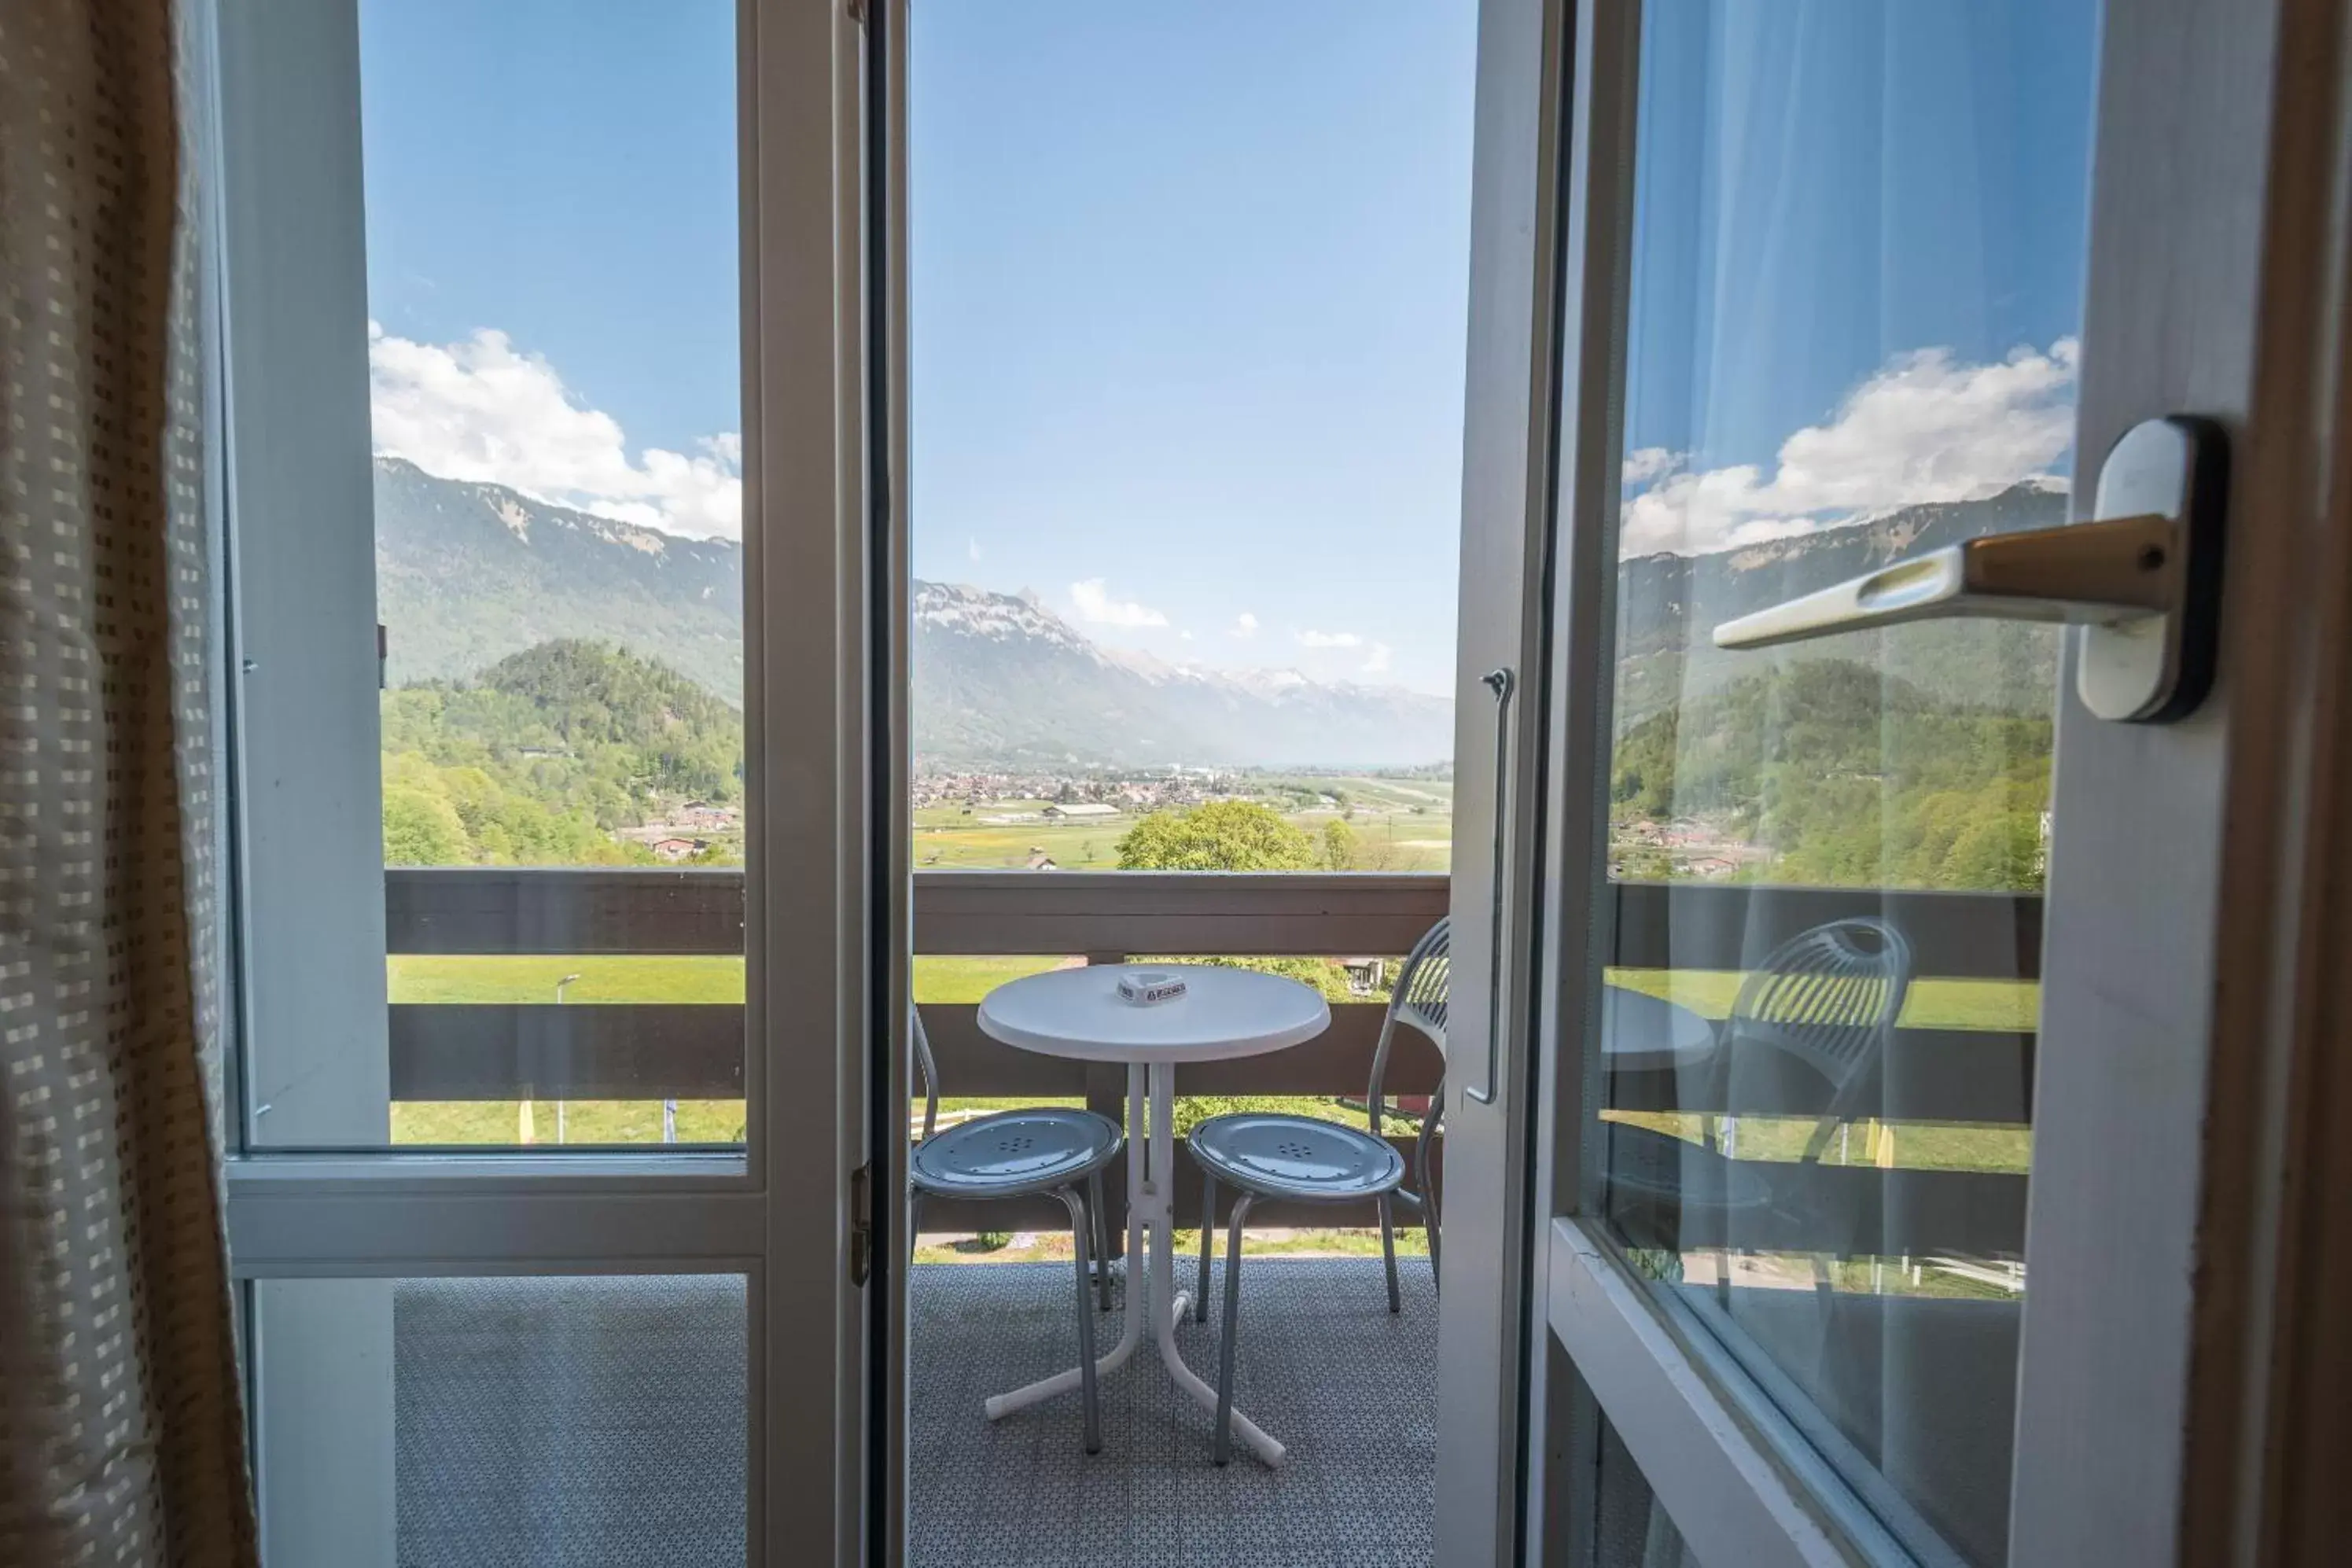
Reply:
x=1500, y=684
x=2141, y=582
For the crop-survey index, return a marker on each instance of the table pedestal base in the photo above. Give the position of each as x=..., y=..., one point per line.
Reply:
x=1152, y=1236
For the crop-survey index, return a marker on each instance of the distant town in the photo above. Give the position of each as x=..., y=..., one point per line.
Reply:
x=1045, y=820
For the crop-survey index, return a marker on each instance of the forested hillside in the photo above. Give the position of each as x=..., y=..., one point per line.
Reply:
x=546, y=754
x=1850, y=778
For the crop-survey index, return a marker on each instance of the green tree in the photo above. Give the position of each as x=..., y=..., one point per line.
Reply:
x=422, y=828
x=1338, y=845
x=1220, y=835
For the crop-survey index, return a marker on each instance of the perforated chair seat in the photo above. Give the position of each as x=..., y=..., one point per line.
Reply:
x=1295, y=1157
x=1015, y=1153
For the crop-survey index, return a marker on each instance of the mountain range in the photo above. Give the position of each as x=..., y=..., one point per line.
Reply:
x=468, y=574
x=1667, y=607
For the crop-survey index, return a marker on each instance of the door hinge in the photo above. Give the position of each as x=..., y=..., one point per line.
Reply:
x=861, y=1225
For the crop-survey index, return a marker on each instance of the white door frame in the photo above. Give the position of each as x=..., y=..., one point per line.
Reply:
x=1507, y=470
x=777, y=1214
x=2189, y=988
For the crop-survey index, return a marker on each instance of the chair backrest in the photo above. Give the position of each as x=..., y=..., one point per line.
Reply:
x=928, y=1068
x=1829, y=998
x=1419, y=998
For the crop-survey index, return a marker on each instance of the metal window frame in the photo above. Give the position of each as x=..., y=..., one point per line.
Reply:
x=773, y=1212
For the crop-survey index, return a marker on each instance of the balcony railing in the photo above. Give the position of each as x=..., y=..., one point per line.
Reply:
x=655, y=1050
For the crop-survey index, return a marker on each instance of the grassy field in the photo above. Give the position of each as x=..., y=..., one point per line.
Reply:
x=2012, y=1004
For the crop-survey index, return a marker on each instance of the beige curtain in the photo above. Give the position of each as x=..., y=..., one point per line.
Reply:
x=121, y=1437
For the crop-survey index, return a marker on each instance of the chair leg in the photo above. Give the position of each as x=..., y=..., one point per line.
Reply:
x=914, y=1223
x=1428, y=1194
x=1224, y=1447
x=1208, y=1240
x=1102, y=1240
x=1388, y=1252
x=1080, y=1224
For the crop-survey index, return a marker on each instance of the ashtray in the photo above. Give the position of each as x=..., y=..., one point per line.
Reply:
x=1149, y=987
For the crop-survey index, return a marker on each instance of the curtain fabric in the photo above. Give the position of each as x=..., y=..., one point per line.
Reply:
x=121, y=1441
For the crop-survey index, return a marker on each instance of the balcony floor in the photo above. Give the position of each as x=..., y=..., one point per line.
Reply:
x=580, y=1422
x=1349, y=1389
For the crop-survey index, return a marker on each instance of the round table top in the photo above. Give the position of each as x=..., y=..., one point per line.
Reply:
x=1641, y=1032
x=1223, y=1013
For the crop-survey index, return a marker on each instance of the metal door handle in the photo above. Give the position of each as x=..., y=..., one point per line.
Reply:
x=1501, y=683
x=2142, y=583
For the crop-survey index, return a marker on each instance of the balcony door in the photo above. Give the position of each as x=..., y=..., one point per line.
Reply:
x=1866, y=1143
x=538, y=333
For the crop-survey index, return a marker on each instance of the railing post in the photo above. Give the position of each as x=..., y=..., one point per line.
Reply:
x=1107, y=1096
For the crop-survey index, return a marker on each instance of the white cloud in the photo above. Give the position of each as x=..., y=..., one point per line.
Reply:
x=1328, y=639
x=480, y=409
x=1646, y=463
x=1184, y=636
x=1245, y=627
x=1923, y=429
x=1096, y=607
x=1378, y=664
x=971, y=548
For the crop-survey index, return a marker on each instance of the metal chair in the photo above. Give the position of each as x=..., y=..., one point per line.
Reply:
x=1827, y=998
x=1418, y=998
x=1281, y=1157
x=1013, y=1154
x=1312, y=1161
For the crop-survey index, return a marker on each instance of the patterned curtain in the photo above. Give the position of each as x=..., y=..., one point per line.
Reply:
x=121, y=1441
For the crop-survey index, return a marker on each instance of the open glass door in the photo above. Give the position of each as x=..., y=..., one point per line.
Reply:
x=542, y=528
x=1878, y=1162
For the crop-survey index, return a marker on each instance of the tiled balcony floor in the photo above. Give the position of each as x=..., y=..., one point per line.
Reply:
x=1347, y=1388
x=571, y=1423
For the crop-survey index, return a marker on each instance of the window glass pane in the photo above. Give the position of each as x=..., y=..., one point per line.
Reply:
x=1186, y=416
x=552, y=329
x=465, y=1421
x=1629, y=1528
x=1856, y=280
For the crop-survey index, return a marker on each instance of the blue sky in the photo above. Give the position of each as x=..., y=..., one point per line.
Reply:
x=1189, y=285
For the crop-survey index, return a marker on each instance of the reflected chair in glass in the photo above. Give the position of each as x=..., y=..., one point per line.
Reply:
x=1827, y=998
x=1015, y=1154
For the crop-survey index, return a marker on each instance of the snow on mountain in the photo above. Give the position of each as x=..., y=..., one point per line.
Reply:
x=467, y=573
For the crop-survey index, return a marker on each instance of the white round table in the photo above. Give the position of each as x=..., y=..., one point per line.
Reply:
x=1223, y=1013
x=1642, y=1033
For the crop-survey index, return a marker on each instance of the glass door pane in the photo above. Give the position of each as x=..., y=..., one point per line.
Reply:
x=521, y=1419
x=1855, y=288
x=554, y=547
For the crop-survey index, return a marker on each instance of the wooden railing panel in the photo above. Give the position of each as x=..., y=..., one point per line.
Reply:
x=1284, y=913
x=1732, y=925
x=1849, y=1211
x=563, y=909
x=524, y=1050
x=644, y=1050
x=1929, y=1075
x=649, y=1051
